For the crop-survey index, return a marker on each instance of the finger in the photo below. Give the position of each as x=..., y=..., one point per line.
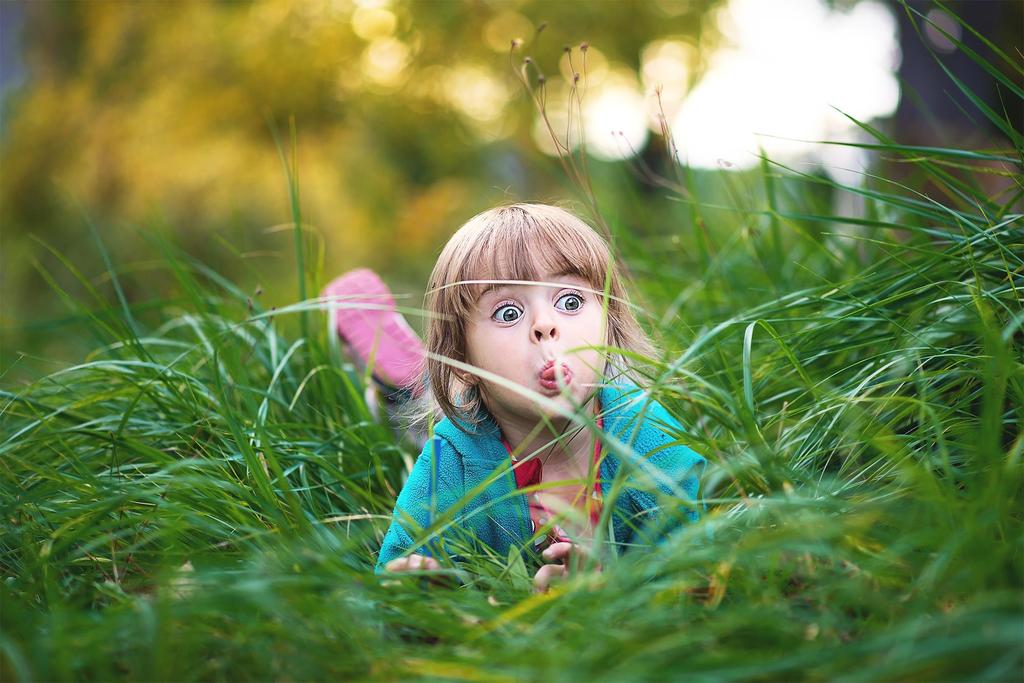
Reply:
x=544, y=576
x=542, y=579
x=557, y=551
x=570, y=554
x=412, y=563
x=399, y=564
x=422, y=563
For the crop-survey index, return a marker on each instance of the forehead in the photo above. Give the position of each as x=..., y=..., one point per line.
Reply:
x=491, y=287
x=503, y=260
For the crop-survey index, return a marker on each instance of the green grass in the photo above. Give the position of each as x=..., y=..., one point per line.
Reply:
x=203, y=496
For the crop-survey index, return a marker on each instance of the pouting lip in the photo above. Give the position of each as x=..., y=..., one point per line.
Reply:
x=548, y=377
x=550, y=364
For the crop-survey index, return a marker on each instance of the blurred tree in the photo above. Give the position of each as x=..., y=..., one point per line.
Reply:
x=410, y=117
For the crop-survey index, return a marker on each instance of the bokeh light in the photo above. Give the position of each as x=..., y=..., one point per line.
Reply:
x=372, y=22
x=614, y=117
x=384, y=60
x=505, y=27
x=665, y=67
x=785, y=74
x=789, y=72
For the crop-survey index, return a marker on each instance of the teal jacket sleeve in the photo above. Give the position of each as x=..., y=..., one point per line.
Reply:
x=670, y=496
x=433, y=487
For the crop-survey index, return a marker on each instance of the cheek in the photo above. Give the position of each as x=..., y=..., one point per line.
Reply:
x=593, y=331
x=489, y=349
x=592, y=326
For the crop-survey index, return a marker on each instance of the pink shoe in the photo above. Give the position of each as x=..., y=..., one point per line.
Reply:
x=365, y=318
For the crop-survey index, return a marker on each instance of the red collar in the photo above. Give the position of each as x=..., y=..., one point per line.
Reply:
x=531, y=472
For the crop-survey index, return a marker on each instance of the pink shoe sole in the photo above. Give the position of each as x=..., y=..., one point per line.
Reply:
x=365, y=317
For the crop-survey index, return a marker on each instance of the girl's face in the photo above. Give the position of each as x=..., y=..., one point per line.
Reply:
x=526, y=333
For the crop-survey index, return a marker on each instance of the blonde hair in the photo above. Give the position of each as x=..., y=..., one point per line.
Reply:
x=514, y=242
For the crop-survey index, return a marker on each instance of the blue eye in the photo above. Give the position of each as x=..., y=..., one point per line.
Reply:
x=506, y=313
x=569, y=302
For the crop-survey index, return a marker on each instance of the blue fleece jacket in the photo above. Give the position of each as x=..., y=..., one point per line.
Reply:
x=462, y=490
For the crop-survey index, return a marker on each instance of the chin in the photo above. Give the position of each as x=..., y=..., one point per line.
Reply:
x=572, y=397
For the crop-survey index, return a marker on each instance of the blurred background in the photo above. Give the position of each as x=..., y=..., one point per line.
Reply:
x=127, y=120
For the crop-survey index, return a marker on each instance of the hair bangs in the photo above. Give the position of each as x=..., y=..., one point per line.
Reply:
x=524, y=247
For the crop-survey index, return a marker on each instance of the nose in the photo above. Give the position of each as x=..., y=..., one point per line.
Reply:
x=544, y=329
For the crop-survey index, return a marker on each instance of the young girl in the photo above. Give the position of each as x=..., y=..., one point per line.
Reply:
x=525, y=365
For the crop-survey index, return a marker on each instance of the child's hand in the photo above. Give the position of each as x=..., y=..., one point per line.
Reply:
x=570, y=557
x=412, y=563
x=421, y=563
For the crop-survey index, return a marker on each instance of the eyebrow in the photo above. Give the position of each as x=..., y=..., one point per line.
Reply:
x=498, y=285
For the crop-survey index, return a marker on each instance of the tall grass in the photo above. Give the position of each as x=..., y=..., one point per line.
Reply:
x=204, y=498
